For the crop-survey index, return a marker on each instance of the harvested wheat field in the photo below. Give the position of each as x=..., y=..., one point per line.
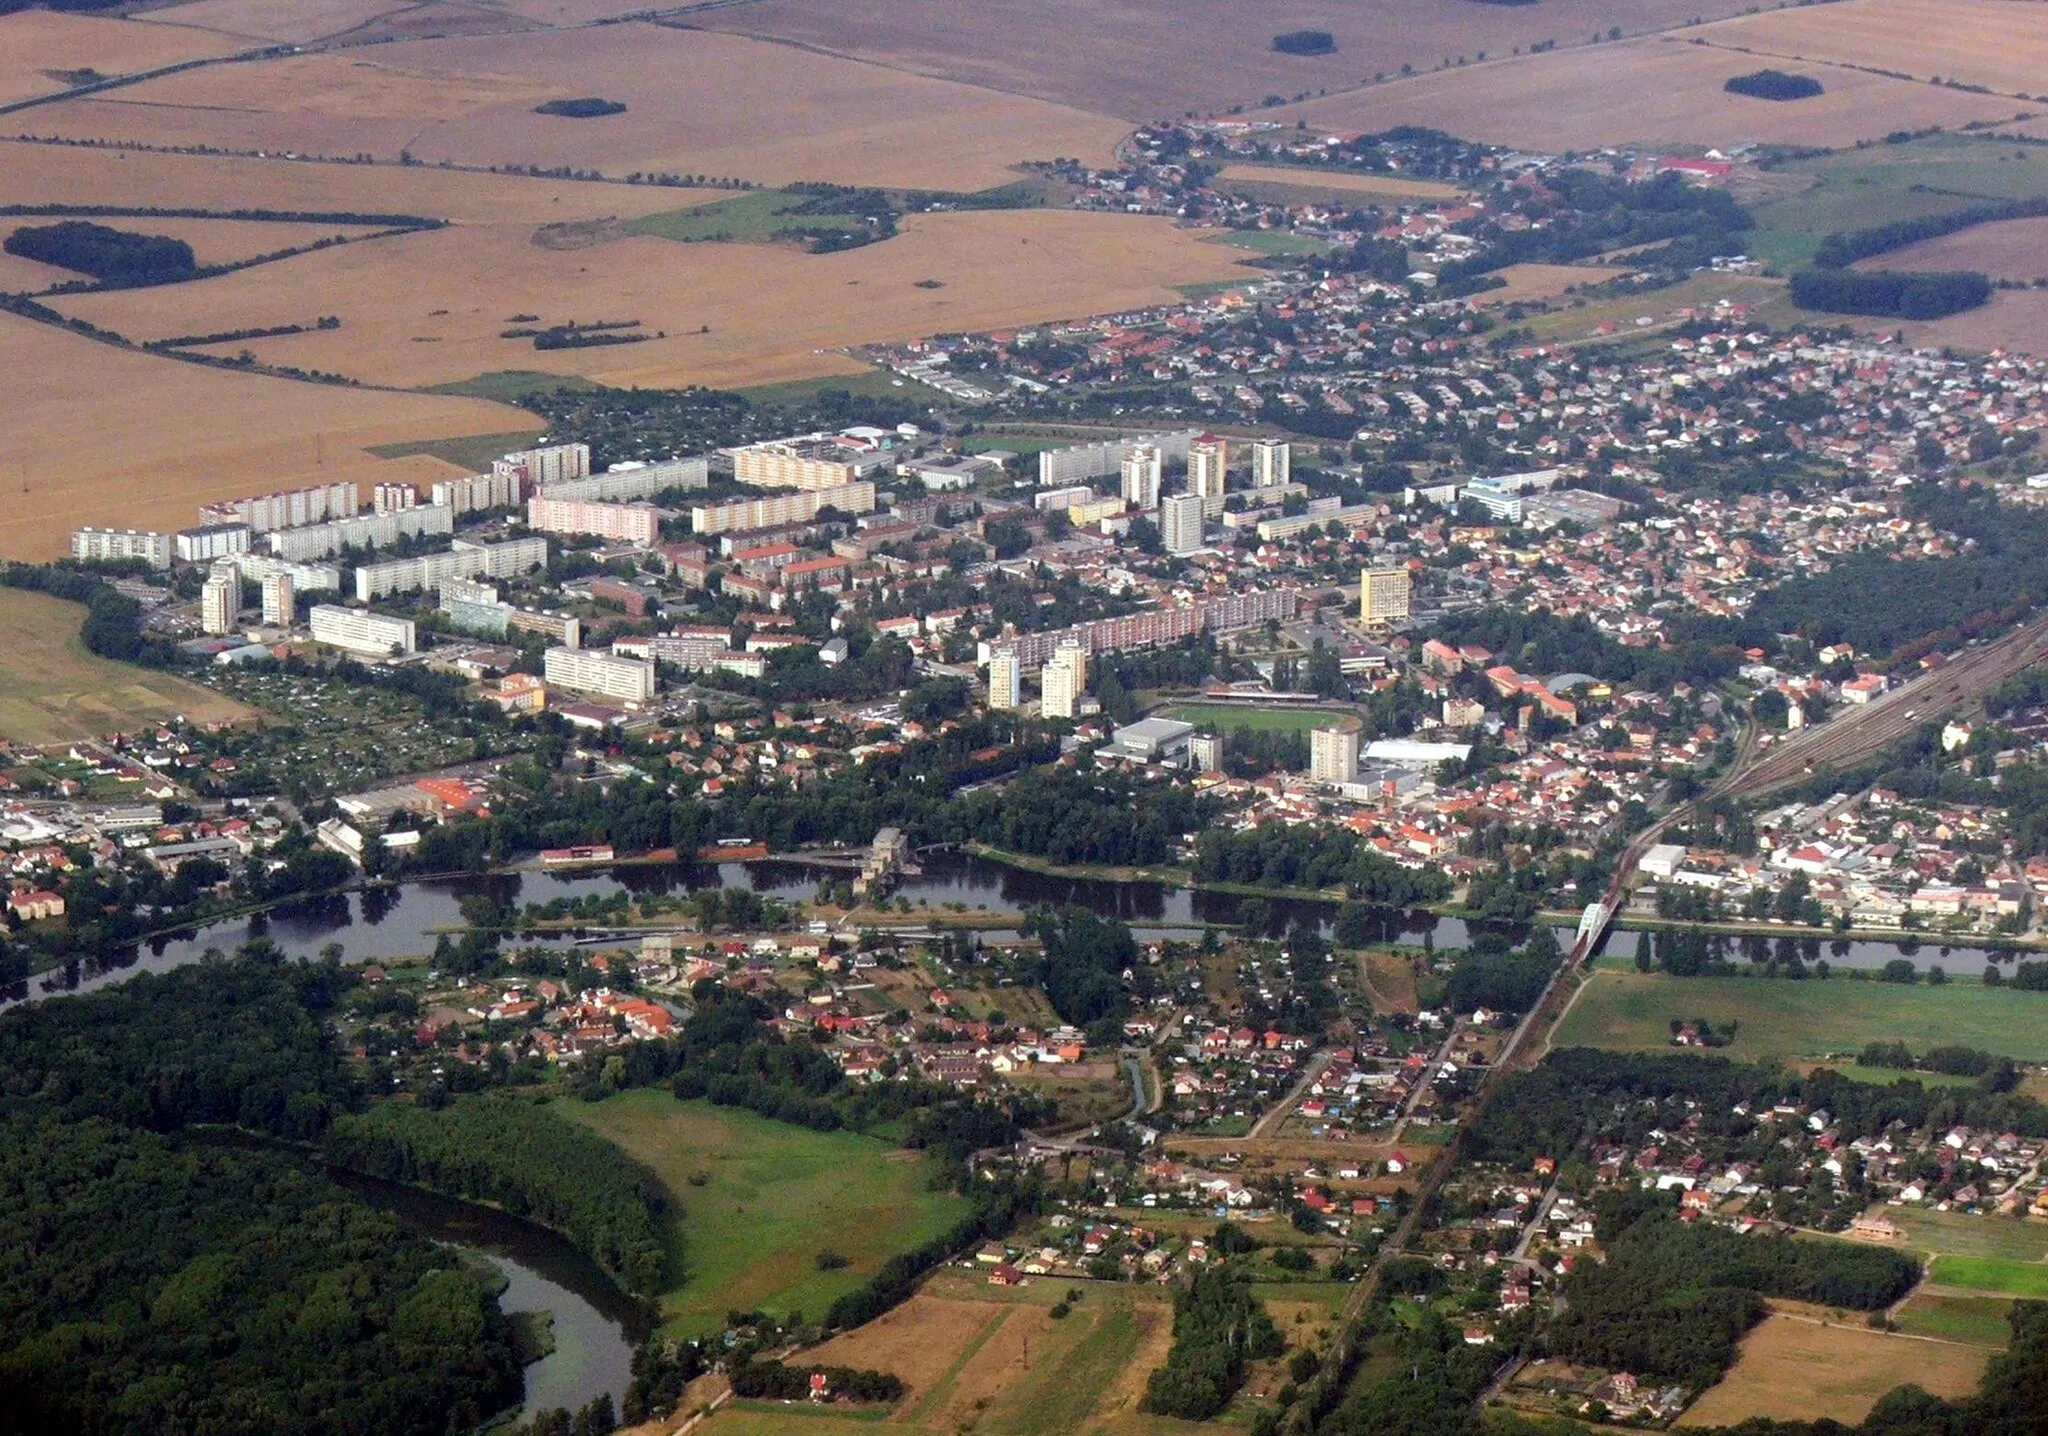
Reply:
x=1528, y=282
x=694, y=106
x=213, y=241
x=1794, y=1369
x=2015, y=319
x=111, y=437
x=920, y=1340
x=769, y=308
x=2001, y=44
x=1646, y=91
x=36, y=43
x=65, y=174
x=306, y=21
x=1140, y=59
x=2011, y=249
x=259, y=21
x=1341, y=181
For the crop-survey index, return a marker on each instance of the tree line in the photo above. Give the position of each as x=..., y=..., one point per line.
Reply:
x=1891, y=294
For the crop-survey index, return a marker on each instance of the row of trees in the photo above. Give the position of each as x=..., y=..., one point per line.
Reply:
x=1218, y=1327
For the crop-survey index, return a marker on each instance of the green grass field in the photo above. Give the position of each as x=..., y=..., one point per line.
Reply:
x=1623, y=1010
x=874, y=384
x=473, y=453
x=1272, y=241
x=53, y=690
x=508, y=386
x=1976, y=1320
x=1999, y=1274
x=1960, y=1234
x=1859, y=189
x=750, y=218
x=773, y=1197
x=1228, y=718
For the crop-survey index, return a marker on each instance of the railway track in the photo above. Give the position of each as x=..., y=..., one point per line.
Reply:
x=1858, y=735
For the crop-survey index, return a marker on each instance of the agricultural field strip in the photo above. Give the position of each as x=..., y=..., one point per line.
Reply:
x=942, y=1389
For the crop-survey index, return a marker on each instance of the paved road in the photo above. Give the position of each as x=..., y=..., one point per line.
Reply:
x=1277, y=1113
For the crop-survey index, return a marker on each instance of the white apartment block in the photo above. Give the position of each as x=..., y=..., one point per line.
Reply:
x=1005, y=680
x=391, y=498
x=306, y=577
x=745, y=514
x=1208, y=472
x=210, y=541
x=537, y=468
x=280, y=605
x=323, y=540
x=1180, y=522
x=359, y=631
x=1272, y=463
x=290, y=508
x=92, y=545
x=1333, y=755
x=587, y=670
x=810, y=461
x=1062, y=682
x=220, y=602
x=638, y=524
x=495, y=490
x=1382, y=595
x=1141, y=470
x=464, y=560
x=1083, y=462
x=633, y=480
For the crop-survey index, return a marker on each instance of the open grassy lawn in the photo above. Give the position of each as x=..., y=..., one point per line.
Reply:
x=1273, y=241
x=772, y=1198
x=1999, y=1274
x=52, y=690
x=1859, y=189
x=1795, y=1369
x=1960, y=1234
x=869, y=384
x=476, y=451
x=1974, y=1320
x=1228, y=718
x=1623, y=1010
x=754, y=217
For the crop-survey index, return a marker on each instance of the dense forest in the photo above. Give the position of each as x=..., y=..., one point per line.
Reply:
x=1774, y=85
x=1672, y=1298
x=1889, y=293
x=1278, y=856
x=1218, y=1326
x=1882, y=605
x=112, y=256
x=526, y=1160
x=154, y=1278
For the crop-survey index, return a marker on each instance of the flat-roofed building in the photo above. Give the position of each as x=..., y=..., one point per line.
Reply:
x=280, y=605
x=638, y=524
x=91, y=545
x=1141, y=471
x=778, y=509
x=589, y=670
x=1333, y=755
x=360, y=631
x=1382, y=596
x=210, y=541
x=1062, y=682
x=1272, y=463
x=1005, y=680
x=1180, y=522
x=1208, y=472
x=220, y=600
x=809, y=462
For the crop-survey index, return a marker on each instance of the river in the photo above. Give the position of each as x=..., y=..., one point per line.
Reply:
x=388, y=923
x=595, y=1325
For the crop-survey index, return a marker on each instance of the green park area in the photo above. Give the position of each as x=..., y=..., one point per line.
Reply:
x=1779, y=1020
x=2000, y=1274
x=1228, y=718
x=754, y=1203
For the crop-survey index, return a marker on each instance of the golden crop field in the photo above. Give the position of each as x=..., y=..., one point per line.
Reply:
x=213, y=241
x=110, y=437
x=754, y=110
x=35, y=42
x=302, y=20
x=2001, y=44
x=66, y=174
x=53, y=691
x=770, y=309
x=2010, y=249
x=1792, y=1368
x=1143, y=60
x=1655, y=91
